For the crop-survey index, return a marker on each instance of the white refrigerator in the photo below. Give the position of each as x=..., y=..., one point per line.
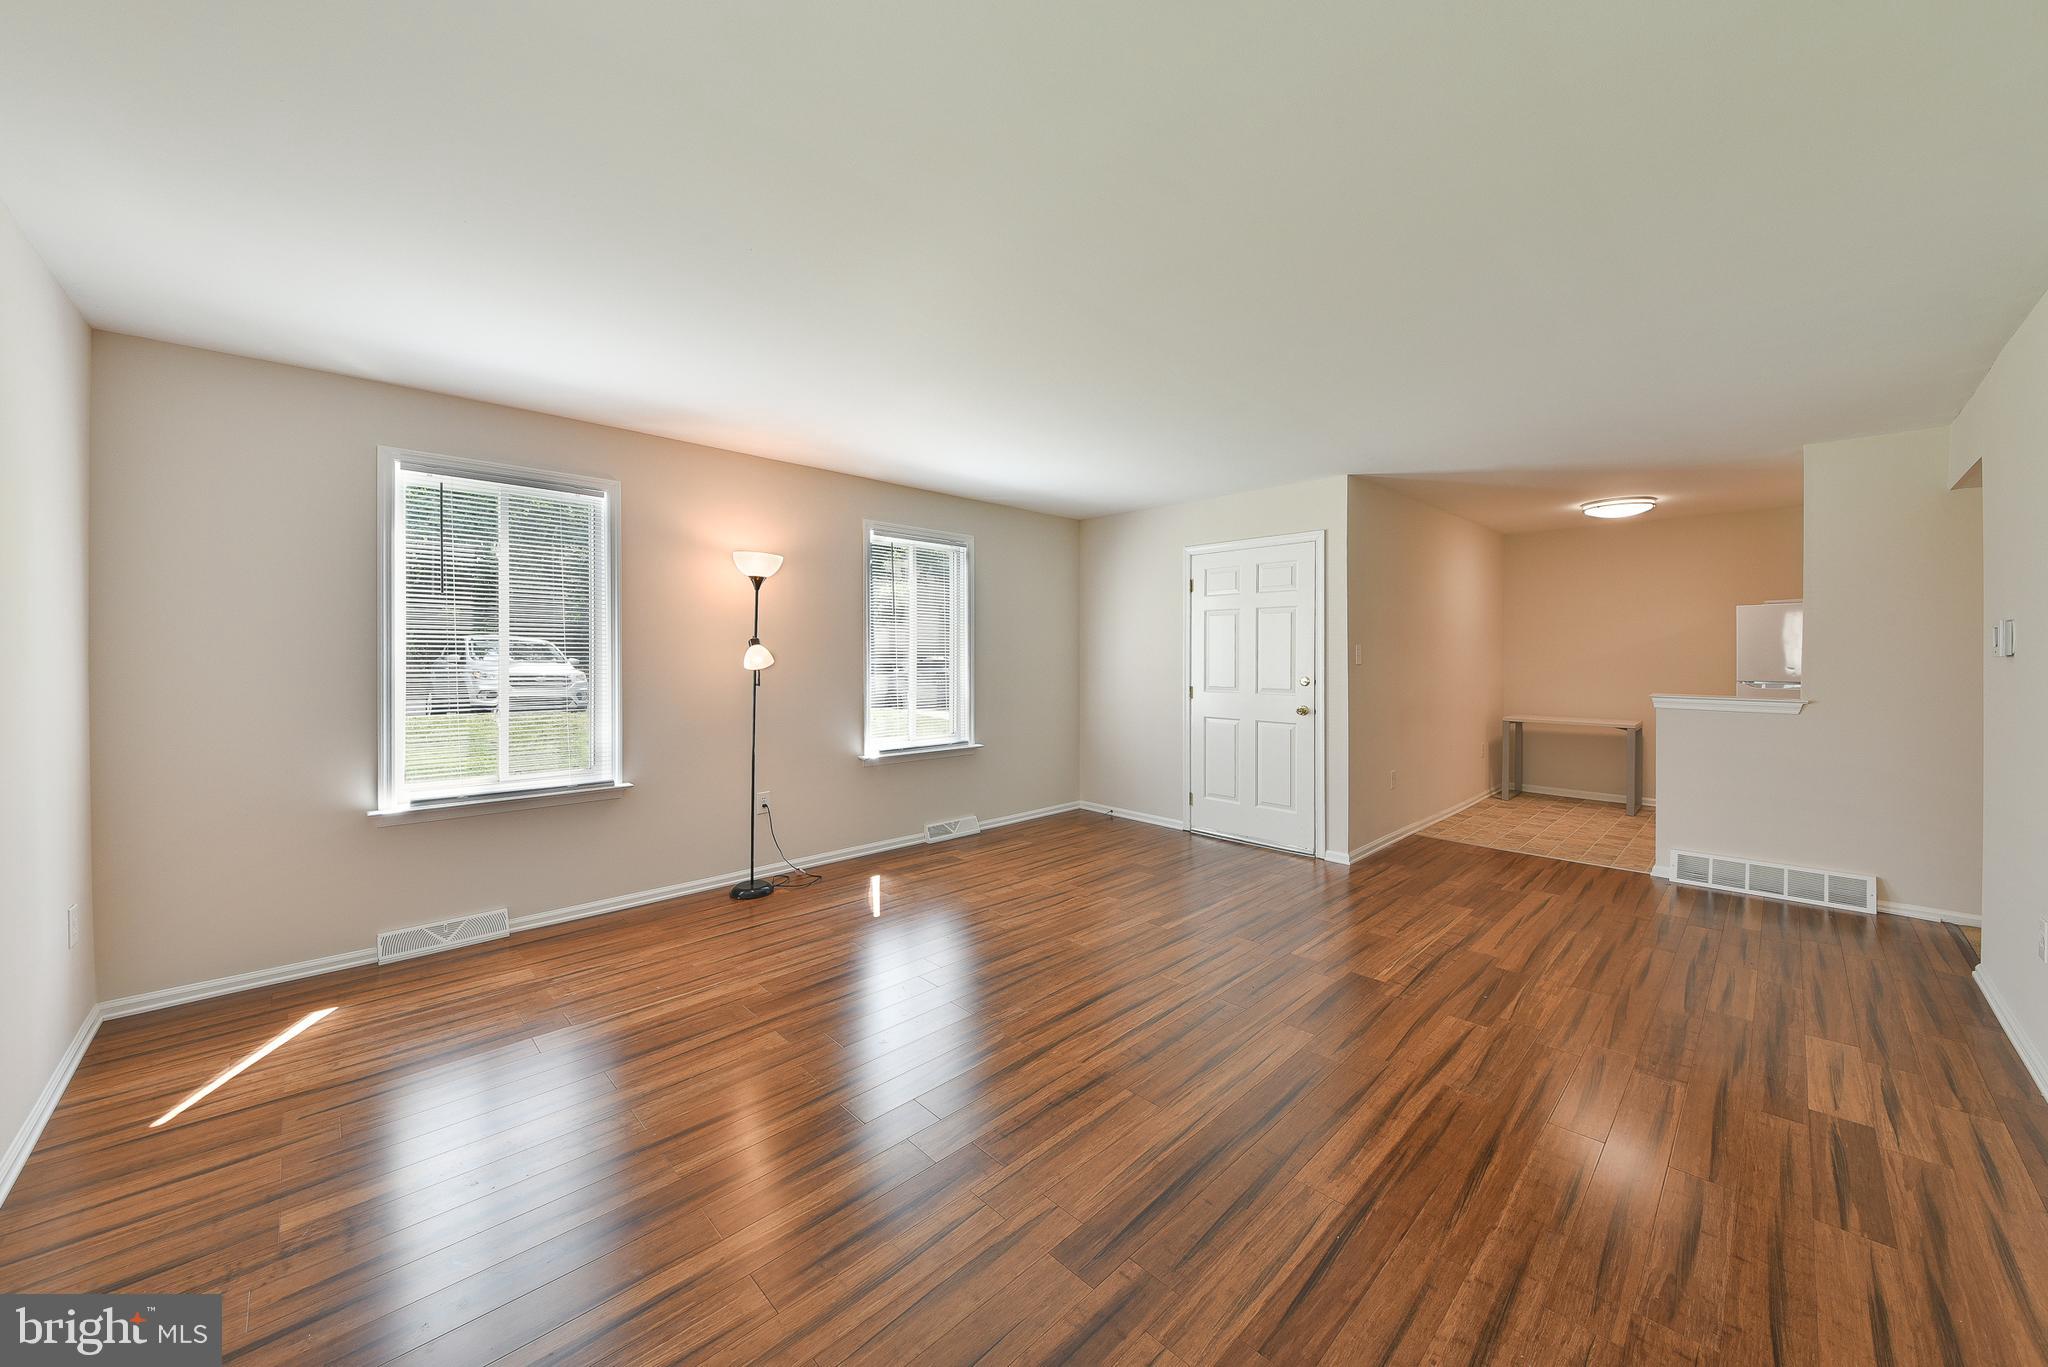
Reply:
x=1770, y=641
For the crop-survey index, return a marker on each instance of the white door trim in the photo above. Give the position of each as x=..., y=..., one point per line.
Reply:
x=1320, y=821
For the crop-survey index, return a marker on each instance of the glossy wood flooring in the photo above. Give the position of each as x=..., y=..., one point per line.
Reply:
x=1088, y=1091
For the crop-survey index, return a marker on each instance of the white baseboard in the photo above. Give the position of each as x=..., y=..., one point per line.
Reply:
x=46, y=1104
x=1128, y=815
x=1057, y=809
x=627, y=901
x=2037, y=1064
x=1954, y=918
x=1125, y=813
x=235, y=982
x=1887, y=908
x=266, y=977
x=1618, y=799
x=1371, y=848
x=1917, y=913
x=1167, y=822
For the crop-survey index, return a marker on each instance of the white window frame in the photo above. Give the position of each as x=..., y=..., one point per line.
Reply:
x=392, y=803
x=967, y=633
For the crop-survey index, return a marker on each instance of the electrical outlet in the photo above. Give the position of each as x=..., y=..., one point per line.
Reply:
x=761, y=800
x=71, y=927
x=2042, y=947
x=1358, y=654
x=1392, y=777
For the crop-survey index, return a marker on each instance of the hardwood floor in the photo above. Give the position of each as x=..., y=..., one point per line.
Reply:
x=1088, y=1091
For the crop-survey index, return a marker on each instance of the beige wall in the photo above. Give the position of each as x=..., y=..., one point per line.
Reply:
x=1132, y=609
x=1881, y=773
x=1599, y=617
x=235, y=732
x=1425, y=699
x=2005, y=425
x=46, y=987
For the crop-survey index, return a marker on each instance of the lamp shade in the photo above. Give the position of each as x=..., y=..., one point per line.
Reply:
x=757, y=564
x=757, y=656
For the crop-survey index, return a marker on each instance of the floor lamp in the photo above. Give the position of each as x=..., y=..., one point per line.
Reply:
x=757, y=566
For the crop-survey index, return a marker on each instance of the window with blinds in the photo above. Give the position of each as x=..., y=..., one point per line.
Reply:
x=500, y=651
x=920, y=641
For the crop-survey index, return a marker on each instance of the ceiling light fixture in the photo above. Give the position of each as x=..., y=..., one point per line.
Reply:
x=1618, y=507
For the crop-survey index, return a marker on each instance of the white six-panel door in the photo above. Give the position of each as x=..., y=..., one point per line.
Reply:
x=1253, y=691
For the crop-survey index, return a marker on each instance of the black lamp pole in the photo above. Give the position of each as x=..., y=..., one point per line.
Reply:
x=754, y=886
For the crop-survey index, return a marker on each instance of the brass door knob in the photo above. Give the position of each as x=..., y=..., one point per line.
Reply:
x=1301, y=711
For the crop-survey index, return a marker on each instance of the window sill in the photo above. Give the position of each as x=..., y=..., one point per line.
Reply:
x=495, y=802
x=920, y=752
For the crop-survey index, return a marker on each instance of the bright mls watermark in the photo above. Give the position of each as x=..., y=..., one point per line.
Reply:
x=174, y=1331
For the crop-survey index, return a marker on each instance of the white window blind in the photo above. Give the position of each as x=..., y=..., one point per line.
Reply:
x=920, y=640
x=500, y=611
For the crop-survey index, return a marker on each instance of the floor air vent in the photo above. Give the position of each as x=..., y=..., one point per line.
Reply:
x=936, y=831
x=1780, y=882
x=414, y=941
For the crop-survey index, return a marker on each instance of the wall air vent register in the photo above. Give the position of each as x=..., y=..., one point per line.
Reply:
x=1834, y=890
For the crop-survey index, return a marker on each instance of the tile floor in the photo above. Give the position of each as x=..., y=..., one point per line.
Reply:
x=1559, y=827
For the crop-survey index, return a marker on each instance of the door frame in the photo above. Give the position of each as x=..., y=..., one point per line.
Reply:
x=1318, y=821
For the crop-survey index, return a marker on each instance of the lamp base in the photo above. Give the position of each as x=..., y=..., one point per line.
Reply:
x=751, y=889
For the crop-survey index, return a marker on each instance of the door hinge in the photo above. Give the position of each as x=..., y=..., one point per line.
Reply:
x=1191, y=690
x=1191, y=586
x=1191, y=799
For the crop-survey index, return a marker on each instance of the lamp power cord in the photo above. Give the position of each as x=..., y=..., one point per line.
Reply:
x=799, y=876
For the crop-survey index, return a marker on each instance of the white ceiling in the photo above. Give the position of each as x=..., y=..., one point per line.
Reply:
x=1073, y=256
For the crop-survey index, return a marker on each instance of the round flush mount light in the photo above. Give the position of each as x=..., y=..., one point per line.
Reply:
x=1618, y=507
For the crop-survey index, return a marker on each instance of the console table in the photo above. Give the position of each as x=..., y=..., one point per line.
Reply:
x=1511, y=751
